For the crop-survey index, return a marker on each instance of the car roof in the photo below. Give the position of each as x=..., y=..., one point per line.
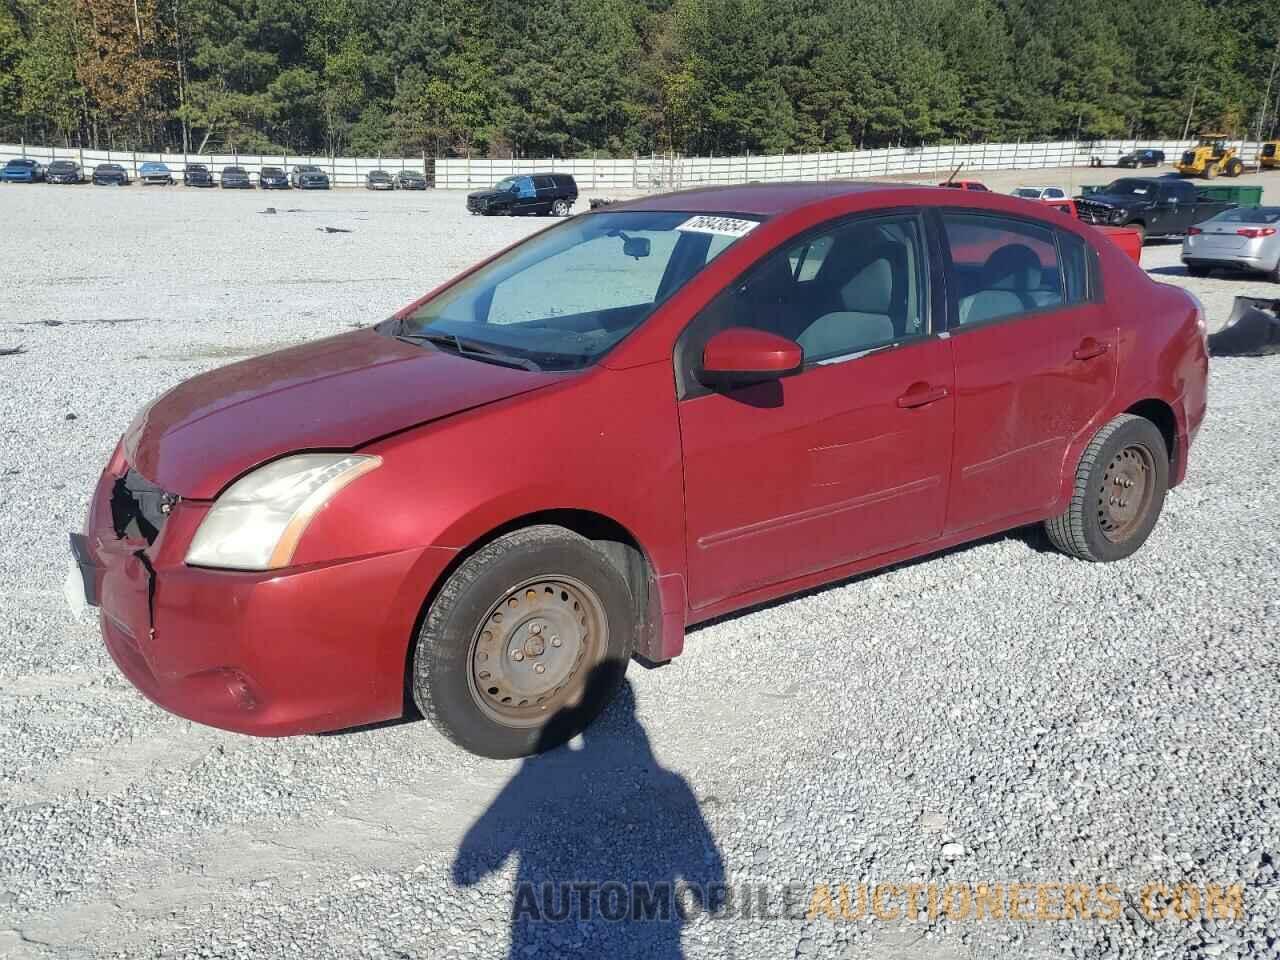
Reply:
x=766, y=199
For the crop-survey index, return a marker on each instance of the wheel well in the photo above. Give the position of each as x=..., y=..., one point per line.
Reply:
x=1161, y=414
x=610, y=538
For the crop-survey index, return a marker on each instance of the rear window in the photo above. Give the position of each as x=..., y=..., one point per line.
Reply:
x=1003, y=267
x=1250, y=215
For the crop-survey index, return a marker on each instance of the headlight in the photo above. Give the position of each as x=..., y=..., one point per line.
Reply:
x=1117, y=215
x=257, y=522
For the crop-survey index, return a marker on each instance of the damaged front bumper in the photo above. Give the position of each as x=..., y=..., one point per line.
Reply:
x=300, y=650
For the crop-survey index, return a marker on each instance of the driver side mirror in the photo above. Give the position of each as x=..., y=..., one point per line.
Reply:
x=741, y=355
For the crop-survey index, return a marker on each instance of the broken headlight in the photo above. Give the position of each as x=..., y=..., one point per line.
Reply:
x=256, y=523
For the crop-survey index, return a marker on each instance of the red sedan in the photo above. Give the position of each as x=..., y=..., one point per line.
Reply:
x=636, y=420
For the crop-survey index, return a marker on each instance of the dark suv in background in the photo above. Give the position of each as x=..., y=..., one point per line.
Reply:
x=306, y=176
x=273, y=178
x=527, y=193
x=64, y=171
x=197, y=175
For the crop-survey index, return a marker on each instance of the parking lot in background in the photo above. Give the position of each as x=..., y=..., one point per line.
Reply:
x=1016, y=707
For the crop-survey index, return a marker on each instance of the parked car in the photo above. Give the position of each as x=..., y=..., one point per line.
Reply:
x=411, y=180
x=1268, y=155
x=64, y=171
x=20, y=170
x=1142, y=158
x=235, y=178
x=306, y=176
x=379, y=180
x=755, y=390
x=1126, y=238
x=1245, y=239
x=273, y=178
x=108, y=174
x=153, y=171
x=197, y=175
x=965, y=185
x=1157, y=207
x=1040, y=193
x=535, y=193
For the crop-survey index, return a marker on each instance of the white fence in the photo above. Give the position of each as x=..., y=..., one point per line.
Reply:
x=654, y=172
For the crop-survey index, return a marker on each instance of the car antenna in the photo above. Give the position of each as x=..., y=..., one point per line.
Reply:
x=953, y=174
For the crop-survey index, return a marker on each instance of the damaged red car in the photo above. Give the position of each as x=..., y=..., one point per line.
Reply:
x=641, y=418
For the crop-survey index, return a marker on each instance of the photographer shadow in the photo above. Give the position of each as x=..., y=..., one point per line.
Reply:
x=613, y=853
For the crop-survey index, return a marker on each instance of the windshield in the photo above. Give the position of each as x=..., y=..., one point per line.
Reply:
x=1250, y=215
x=564, y=297
x=505, y=184
x=271, y=171
x=151, y=165
x=21, y=163
x=1032, y=192
x=1130, y=188
x=308, y=169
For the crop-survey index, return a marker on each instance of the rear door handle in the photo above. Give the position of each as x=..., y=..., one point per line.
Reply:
x=918, y=398
x=1089, y=349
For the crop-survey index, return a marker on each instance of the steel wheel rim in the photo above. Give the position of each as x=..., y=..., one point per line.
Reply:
x=534, y=648
x=1128, y=486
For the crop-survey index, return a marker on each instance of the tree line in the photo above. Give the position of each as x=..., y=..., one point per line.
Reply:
x=616, y=77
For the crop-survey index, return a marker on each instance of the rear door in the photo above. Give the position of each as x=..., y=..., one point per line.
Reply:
x=1035, y=362
x=849, y=458
x=545, y=188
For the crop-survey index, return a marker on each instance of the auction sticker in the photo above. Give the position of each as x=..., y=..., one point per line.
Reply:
x=720, y=226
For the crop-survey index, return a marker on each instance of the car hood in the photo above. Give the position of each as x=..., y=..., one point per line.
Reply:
x=1118, y=200
x=338, y=393
x=486, y=195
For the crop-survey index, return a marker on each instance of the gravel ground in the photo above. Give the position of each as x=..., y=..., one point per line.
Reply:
x=995, y=714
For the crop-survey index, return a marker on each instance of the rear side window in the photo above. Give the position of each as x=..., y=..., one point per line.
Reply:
x=543, y=183
x=1075, y=267
x=1002, y=267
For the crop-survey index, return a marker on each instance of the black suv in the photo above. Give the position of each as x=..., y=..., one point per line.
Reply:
x=1142, y=158
x=197, y=175
x=527, y=193
x=307, y=176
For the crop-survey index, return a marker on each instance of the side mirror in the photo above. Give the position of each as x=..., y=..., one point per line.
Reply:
x=740, y=356
x=637, y=247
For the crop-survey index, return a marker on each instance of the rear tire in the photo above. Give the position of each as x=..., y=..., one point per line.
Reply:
x=1119, y=491
x=560, y=208
x=1235, y=167
x=525, y=644
x=1195, y=271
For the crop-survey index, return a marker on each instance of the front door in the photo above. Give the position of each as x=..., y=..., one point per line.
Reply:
x=847, y=459
x=1035, y=362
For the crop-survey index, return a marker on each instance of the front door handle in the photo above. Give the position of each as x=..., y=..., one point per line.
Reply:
x=1089, y=349
x=920, y=395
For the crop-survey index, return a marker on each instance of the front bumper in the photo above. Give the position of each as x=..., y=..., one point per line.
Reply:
x=313, y=184
x=301, y=650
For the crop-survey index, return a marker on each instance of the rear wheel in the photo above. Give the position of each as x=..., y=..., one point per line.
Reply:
x=1119, y=491
x=525, y=644
x=1235, y=167
x=560, y=208
x=1198, y=271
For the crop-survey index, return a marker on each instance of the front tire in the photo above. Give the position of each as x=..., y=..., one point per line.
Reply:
x=525, y=644
x=1119, y=491
x=1198, y=271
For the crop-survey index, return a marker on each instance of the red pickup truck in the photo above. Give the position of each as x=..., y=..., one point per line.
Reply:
x=1126, y=238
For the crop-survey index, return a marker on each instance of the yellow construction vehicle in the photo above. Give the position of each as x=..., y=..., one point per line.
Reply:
x=1269, y=155
x=1211, y=157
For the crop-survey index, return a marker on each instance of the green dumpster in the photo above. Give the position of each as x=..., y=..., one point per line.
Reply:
x=1239, y=195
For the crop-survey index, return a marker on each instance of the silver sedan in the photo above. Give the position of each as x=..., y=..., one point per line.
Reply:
x=1246, y=238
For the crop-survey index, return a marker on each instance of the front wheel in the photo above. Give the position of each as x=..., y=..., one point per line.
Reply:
x=525, y=644
x=1211, y=171
x=1119, y=491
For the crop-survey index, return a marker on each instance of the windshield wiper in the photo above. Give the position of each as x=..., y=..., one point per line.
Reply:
x=455, y=343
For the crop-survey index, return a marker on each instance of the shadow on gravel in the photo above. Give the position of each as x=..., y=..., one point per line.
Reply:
x=1178, y=271
x=612, y=849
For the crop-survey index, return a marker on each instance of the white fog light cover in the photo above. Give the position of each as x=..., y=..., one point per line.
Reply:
x=257, y=522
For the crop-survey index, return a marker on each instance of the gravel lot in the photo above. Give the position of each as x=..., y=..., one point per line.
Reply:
x=1059, y=721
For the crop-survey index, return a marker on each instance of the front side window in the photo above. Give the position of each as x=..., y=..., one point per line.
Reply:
x=566, y=296
x=840, y=292
x=1001, y=267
